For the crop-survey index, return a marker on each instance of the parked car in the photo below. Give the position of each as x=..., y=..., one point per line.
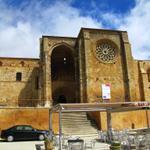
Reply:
x=23, y=132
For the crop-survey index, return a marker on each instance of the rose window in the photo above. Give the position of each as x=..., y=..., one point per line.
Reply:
x=106, y=52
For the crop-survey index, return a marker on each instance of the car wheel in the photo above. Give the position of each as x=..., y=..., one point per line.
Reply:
x=10, y=138
x=41, y=137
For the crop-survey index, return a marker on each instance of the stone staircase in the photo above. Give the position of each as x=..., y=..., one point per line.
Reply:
x=78, y=124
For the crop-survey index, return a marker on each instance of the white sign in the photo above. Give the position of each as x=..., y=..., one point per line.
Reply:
x=106, y=91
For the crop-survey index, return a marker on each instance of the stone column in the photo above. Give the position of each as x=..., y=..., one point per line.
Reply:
x=76, y=79
x=86, y=75
x=47, y=75
x=129, y=66
x=40, y=88
x=81, y=71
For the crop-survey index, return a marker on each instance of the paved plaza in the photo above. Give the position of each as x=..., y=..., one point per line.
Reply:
x=20, y=145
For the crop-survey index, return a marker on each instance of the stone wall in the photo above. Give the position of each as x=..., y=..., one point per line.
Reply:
x=144, y=74
x=13, y=91
x=116, y=73
x=38, y=118
x=121, y=120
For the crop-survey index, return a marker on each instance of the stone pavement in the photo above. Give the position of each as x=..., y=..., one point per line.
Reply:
x=20, y=145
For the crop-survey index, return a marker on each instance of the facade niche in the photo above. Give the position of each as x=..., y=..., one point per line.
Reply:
x=22, y=63
x=37, y=83
x=148, y=73
x=1, y=64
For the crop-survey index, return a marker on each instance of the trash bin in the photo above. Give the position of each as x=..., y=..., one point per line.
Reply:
x=77, y=144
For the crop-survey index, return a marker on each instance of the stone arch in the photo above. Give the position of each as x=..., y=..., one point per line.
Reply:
x=60, y=44
x=62, y=72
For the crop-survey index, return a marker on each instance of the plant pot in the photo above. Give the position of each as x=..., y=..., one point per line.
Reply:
x=115, y=147
x=48, y=144
x=133, y=147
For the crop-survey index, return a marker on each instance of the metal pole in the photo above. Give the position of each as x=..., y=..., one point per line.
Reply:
x=60, y=131
x=147, y=119
x=109, y=125
x=50, y=120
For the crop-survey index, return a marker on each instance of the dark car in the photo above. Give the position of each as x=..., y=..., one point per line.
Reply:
x=23, y=132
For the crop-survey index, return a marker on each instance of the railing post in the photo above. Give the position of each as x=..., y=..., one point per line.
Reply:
x=147, y=119
x=109, y=125
x=50, y=120
x=60, y=130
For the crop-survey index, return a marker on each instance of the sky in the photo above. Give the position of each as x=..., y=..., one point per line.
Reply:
x=23, y=22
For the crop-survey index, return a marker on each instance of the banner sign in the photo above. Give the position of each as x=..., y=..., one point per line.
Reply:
x=106, y=91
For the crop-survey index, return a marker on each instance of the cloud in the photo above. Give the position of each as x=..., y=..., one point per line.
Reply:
x=19, y=41
x=137, y=25
x=136, y=22
x=20, y=29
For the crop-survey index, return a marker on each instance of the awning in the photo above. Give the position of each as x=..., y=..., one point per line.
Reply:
x=113, y=107
x=100, y=107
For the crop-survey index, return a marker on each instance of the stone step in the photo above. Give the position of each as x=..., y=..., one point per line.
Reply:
x=74, y=113
x=80, y=130
x=81, y=134
x=85, y=129
x=78, y=124
x=85, y=132
x=75, y=120
x=85, y=136
x=77, y=127
x=74, y=116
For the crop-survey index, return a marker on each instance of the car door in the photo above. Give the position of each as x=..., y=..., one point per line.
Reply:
x=18, y=132
x=29, y=132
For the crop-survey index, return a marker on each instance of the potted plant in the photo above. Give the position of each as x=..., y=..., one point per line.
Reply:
x=48, y=142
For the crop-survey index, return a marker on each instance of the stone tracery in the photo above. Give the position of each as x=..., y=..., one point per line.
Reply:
x=106, y=52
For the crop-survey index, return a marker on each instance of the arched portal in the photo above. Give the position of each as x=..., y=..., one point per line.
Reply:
x=63, y=75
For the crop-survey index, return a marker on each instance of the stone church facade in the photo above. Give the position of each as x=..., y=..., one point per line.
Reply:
x=72, y=70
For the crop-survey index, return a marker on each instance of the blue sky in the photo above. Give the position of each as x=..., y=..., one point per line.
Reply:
x=23, y=22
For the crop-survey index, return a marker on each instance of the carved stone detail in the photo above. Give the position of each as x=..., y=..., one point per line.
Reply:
x=106, y=52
